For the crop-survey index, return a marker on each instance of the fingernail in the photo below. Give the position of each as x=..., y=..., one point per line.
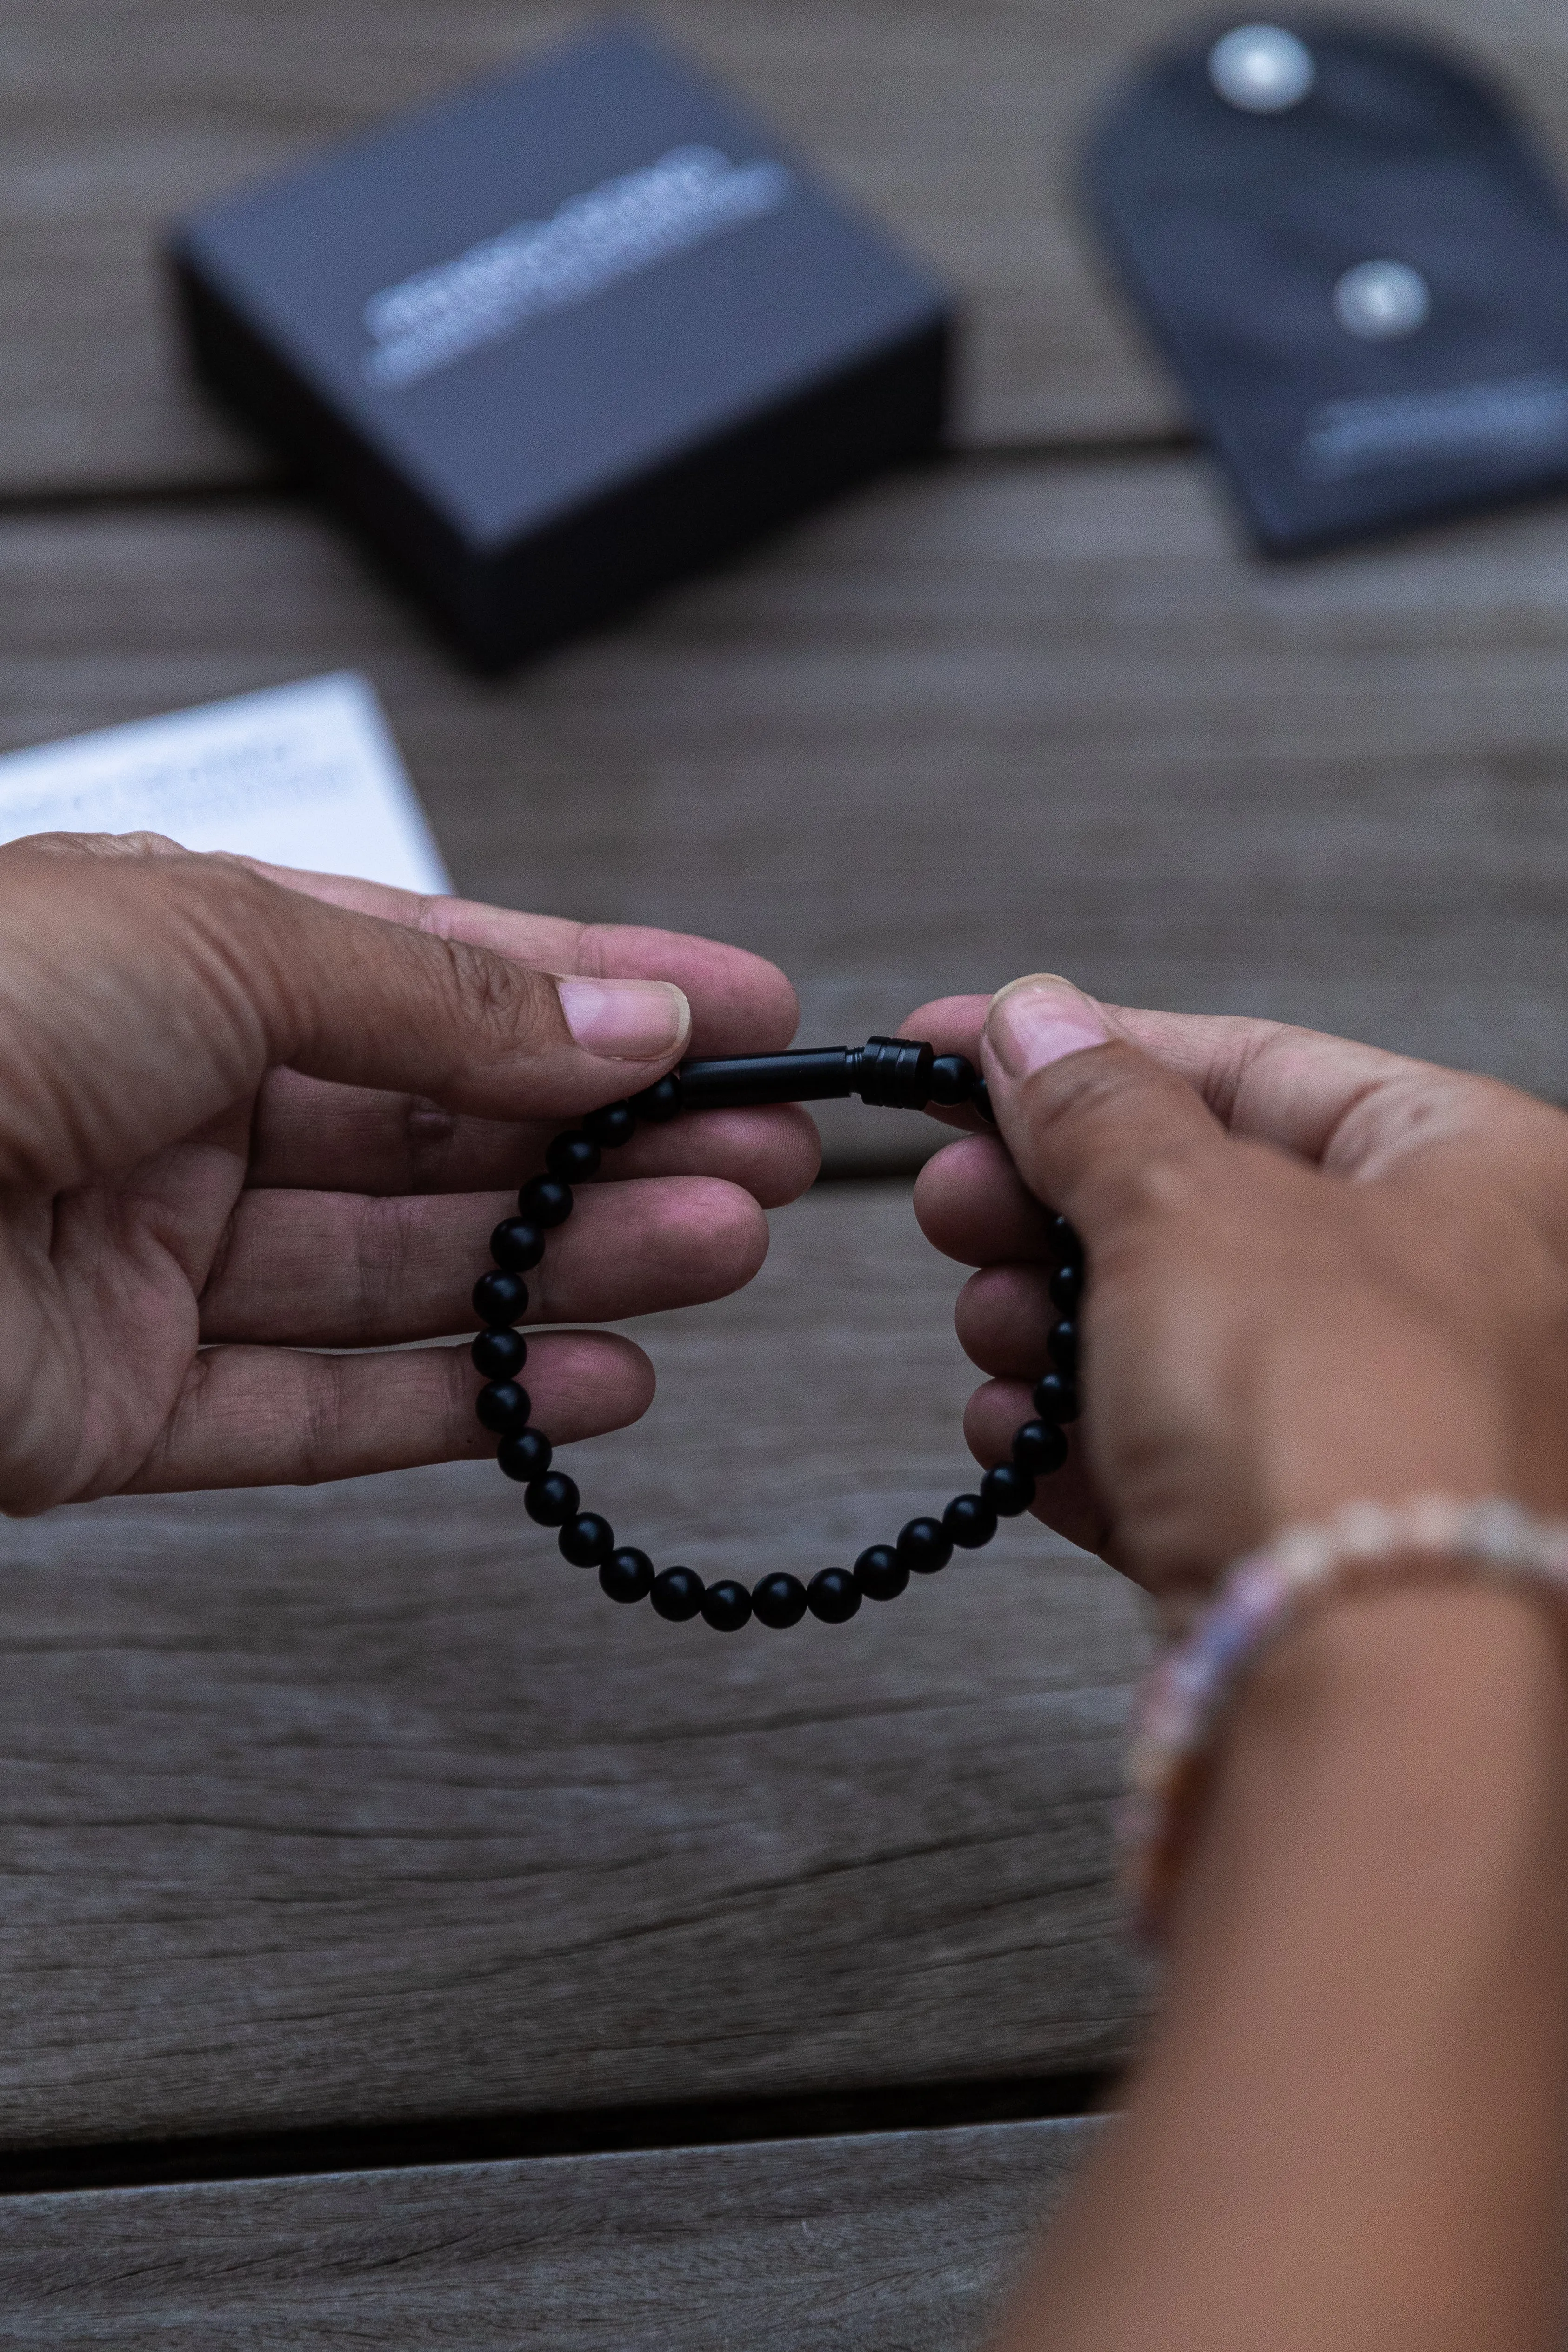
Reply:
x=1037, y=1020
x=631, y=1020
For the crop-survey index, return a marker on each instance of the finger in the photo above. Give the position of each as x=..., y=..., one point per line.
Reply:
x=204, y=974
x=339, y=1270
x=269, y=1417
x=1067, y=1500
x=1353, y=1108
x=310, y=1136
x=1094, y=1126
x=740, y=1003
x=1004, y=1317
x=971, y=1204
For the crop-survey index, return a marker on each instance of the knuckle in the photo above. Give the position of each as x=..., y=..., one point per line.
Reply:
x=508, y=1001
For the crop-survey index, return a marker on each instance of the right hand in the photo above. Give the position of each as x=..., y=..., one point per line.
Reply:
x=1318, y=1273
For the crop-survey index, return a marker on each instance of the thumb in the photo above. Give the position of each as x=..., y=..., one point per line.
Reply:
x=1095, y=1127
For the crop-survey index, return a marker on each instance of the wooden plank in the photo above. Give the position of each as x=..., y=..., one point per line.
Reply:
x=958, y=128
x=896, y=2243
x=358, y=1805
x=984, y=720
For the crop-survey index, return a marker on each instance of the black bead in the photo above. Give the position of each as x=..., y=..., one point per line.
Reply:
x=778, y=1600
x=572, y=1159
x=924, y=1545
x=1056, y=1398
x=517, y=1244
x=1067, y=1288
x=500, y=1355
x=552, y=1499
x=1061, y=1345
x=1007, y=1489
x=952, y=1077
x=726, y=1606
x=611, y=1128
x=504, y=1408
x=980, y=1096
x=626, y=1576
x=970, y=1520
x=658, y=1102
x=525, y=1456
x=1064, y=1239
x=677, y=1595
x=587, y=1539
x=1039, y=1448
x=880, y=1573
x=832, y=1595
x=545, y=1202
x=500, y=1299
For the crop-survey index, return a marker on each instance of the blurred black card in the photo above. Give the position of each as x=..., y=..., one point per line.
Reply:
x=565, y=335
x=1357, y=267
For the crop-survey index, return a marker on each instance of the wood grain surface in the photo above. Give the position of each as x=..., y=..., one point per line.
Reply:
x=989, y=719
x=901, y=2242
x=359, y=1804
x=959, y=128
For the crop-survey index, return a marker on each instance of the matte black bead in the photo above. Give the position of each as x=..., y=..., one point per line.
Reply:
x=924, y=1545
x=500, y=1355
x=778, y=1600
x=545, y=1201
x=500, y=1299
x=677, y=1594
x=980, y=1096
x=970, y=1520
x=1039, y=1448
x=1067, y=1288
x=587, y=1539
x=1056, y=1398
x=726, y=1606
x=832, y=1595
x=1064, y=1239
x=525, y=1456
x=880, y=1573
x=1061, y=1345
x=626, y=1576
x=611, y=1128
x=518, y=1244
x=1007, y=1489
x=658, y=1102
x=504, y=1408
x=552, y=1499
x=572, y=1159
x=952, y=1078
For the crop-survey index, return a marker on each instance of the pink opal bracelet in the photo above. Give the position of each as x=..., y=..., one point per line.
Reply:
x=1184, y=1704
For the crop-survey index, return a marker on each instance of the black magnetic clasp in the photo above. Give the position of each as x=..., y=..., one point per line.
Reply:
x=894, y=1073
x=746, y=1080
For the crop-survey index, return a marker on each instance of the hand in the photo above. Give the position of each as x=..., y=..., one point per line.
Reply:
x=1318, y=1272
x=247, y=1115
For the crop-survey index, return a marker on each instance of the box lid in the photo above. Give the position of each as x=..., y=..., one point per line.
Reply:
x=552, y=281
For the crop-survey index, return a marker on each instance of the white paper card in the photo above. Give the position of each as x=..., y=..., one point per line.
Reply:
x=303, y=776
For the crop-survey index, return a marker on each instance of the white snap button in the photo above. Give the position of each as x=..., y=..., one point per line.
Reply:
x=1380, y=299
x=1261, y=68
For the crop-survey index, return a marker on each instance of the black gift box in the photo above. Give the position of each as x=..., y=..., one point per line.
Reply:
x=564, y=336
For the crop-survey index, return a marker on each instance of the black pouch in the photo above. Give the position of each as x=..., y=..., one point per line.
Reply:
x=1357, y=267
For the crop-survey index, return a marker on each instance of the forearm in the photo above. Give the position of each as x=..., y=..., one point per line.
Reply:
x=1350, y=2130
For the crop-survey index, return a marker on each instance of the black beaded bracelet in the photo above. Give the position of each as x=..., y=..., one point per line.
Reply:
x=893, y=1071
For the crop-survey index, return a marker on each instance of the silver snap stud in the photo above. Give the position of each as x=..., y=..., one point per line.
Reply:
x=1378, y=300
x=1261, y=68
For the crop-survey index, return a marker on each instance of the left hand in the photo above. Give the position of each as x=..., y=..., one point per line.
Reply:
x=251, y=1119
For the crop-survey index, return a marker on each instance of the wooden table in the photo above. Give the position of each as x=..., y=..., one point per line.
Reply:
x=398, y=1945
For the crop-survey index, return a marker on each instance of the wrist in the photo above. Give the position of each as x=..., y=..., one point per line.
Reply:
x=1422, y=1730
